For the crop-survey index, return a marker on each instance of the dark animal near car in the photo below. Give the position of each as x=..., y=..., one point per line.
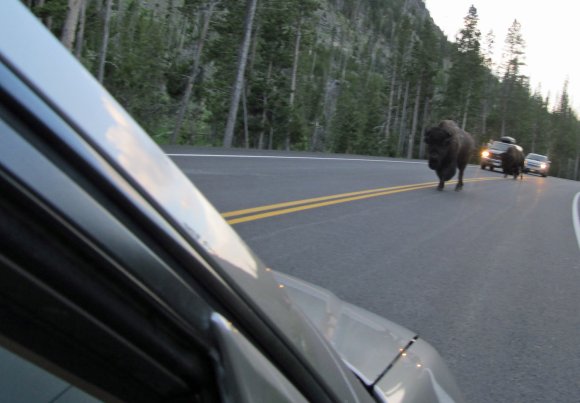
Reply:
x=512, y=162
x=449, y=148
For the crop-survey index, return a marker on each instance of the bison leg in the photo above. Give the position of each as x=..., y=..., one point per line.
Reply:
x=459, y=185
x=441, y=176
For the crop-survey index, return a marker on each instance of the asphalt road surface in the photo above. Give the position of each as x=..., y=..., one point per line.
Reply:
x=490, y=275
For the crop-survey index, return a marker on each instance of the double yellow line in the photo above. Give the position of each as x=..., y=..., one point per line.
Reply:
x=258, y=213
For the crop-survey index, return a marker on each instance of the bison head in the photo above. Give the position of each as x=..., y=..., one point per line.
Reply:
x=438, y=143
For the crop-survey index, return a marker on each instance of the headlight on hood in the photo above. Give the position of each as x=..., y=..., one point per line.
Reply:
x=485, y=154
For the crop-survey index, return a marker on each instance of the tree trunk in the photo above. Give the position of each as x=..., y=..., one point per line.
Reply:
x=295, y=62
x=466, y=108
x=271, y=134
x=105, y=43
x=344, y=66
x=313, y=65
x=314, y=143
x=196, y=62
x=390, y=107
x=534, y=134
x=403, y=124
x=507, y=93
x=264, y=109
x=294, y=74
x=484, y=108
x=577, y=164
x=73, y=11
x=263, y=124
x=241, y=69
x=415, y=119
x=397, y=108
x=80, y=39
x=331, y=95
x=47, y=21
x=503, y=122
x=245, y=111
x=424, y=128
x=371, y=68
x=253, y=48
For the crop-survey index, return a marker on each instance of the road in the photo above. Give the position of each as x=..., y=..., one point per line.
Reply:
x=490, y=275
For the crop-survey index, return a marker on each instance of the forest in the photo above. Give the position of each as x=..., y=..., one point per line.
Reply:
x=339, y=76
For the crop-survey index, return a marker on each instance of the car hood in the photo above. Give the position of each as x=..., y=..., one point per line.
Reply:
x=389, y=359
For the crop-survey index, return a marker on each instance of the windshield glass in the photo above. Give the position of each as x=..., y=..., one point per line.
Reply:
x=537, y=157
x=304, y=122
x=498, y=145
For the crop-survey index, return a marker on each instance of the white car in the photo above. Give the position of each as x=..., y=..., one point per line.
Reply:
x=537, y=163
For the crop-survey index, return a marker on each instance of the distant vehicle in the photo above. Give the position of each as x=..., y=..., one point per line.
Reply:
x=119, y=281
x=491, y=156
x=537, y=163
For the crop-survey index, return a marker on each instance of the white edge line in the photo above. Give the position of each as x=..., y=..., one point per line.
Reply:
x=575, y=217
x=293, y=158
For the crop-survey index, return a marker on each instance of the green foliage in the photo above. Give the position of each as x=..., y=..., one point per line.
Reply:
x=137, y=69
x=466, y=76
x=53, y=12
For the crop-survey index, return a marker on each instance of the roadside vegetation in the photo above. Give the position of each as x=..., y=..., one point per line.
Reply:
x=345, y=76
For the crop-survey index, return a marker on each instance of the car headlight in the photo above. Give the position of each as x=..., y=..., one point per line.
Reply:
x=485, y=154
x=543, y=165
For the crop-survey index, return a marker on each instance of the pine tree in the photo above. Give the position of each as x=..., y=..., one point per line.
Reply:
x=423, y=69
x=241, y=70
x=207, y=15
x=69, y=29
x=105, y=40
x=464, y=88
x=563, y=147
x=512, y=79
x=488, y=82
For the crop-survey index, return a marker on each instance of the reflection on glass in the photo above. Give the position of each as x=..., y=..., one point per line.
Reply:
x=163, y=181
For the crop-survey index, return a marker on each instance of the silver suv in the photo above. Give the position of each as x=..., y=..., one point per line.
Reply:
x=491, y=155
x=537, y=163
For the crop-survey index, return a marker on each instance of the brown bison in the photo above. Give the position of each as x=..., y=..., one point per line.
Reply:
x=512, y=162
x=449, y=148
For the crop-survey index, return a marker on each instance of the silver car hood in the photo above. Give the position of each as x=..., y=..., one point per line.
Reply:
x=394, y=364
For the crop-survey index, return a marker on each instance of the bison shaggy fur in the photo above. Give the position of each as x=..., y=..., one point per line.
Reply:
x=449, y=149
x=512, y=162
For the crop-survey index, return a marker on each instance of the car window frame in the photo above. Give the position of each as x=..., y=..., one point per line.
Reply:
x=305, y=381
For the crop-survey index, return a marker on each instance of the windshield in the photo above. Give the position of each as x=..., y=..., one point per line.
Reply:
x=304, y=123
x=498, y=145
x=537, y=157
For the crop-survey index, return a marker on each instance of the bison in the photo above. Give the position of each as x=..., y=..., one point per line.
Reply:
x=512, y=162
x=449, y=148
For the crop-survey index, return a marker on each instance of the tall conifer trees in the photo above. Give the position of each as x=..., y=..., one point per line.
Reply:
x=359, y=76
